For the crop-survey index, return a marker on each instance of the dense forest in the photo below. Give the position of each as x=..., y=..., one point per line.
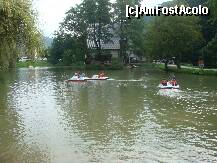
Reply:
x=185, y=38
x=18, y=31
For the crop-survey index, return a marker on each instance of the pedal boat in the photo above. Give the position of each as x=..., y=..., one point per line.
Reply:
x=77, y=79
x=97, y=77
x=168, y=86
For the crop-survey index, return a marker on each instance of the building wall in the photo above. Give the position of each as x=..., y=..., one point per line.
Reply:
x=115, y=53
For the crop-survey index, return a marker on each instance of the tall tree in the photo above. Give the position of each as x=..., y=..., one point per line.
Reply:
x=173, y=36
x=210, y=50
x=130, y=31
x=66, y=50
x=97, y=14
x=88, y=22
x=18, y=31
x=75, y=25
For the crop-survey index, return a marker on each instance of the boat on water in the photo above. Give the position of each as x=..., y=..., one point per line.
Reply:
x=98, y=77
x=82, y=78
x=78, y=78
x=168, y=86
x=164, y=84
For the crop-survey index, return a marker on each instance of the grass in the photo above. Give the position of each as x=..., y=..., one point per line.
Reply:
x=78, y=66
x=189, y=70
x=33, y=63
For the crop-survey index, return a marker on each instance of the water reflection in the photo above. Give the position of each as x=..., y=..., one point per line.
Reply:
x=44, y=119
x=103, y=116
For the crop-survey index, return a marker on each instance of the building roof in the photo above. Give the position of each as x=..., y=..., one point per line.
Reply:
x=113, y=44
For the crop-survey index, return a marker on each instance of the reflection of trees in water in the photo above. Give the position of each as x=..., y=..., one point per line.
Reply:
x=8, y=122
x=14, y=86
x=102, y=111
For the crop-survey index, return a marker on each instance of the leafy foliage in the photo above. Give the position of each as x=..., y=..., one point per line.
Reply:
x=82, y=23
x=185, y=38
x=209, y=50
x=18, y=31
x=66, y=50
x=131, y=31
x=173, y=36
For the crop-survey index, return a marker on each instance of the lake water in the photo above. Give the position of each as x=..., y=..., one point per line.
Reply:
x=126, y=120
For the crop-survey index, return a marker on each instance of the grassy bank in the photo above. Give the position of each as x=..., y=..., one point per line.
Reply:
x=79, y=66
x=115, y=65
x=188, y=70
x=32, y=63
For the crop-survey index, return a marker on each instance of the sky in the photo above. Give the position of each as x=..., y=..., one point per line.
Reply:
x=52, y=12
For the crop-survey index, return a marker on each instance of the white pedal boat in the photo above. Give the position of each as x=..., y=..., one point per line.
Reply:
x=168, y=86
x=97, y=77
x=78, y=79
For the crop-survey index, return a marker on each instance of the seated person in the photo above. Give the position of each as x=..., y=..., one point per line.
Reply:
x=77, y=74
x=174, y=82
x=164, y=82
x=101, y=74
x=83, y=75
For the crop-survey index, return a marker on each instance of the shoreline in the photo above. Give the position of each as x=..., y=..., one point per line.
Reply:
x=43, y=64
x=188, y=70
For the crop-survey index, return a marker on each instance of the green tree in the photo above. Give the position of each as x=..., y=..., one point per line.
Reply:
x=66, y=50
x=91, y=21
x=210, y=50
x=18, y=31
x=173, y=36
x=131, y=31
x=97, y=14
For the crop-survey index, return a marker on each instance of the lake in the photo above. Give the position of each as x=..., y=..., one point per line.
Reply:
x=125, y=120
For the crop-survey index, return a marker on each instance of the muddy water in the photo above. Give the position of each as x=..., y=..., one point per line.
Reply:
x=44, y=119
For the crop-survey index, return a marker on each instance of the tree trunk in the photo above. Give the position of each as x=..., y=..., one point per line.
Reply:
x=178, y=62
x=99, y=38
x=94, y=35
x=166, y=64
x=178, y=65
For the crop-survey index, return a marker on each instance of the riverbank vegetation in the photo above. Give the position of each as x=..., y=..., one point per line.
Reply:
x=18, y=31
x=188, y=69
x=84, y=31
x=182, y=39
x=33, y=64
x=84, y=34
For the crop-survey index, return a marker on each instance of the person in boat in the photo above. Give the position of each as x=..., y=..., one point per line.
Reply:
x=77, y=74
x=83, y=75
x=173, y=82
x=101, y=74
x=164, y=82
